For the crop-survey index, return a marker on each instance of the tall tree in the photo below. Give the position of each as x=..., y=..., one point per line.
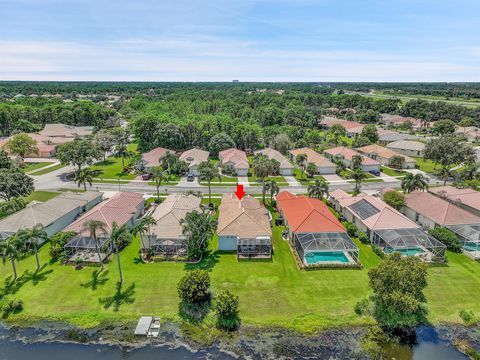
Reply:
x=104, y=140
x=411, y=182
x=370, y=132
x=198, y=229
x=301, y=160
x=220, y=142
x=22, y=145
x=14, y=183
x=84, y=176
x=95, y=228
x=262, y=168
x=79, y=153
x=358, y=175
x=144, y=227
x=34, y=236
x=336, y=132
x=158, y=176
x=398, y=284
x=119, y=236
x=10, y=249
x=319, y=189
x=207, y=172
x=272, y=186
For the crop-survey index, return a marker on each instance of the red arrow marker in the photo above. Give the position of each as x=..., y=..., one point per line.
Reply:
x=240, y=192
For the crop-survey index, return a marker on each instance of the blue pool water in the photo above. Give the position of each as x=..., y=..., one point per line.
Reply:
x=405, y=251
x=471, y=246
x=324, y=256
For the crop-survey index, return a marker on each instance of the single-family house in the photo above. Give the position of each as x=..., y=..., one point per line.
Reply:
x=244, y=226
x=152, y=158
x=352, y=128
x=323, y=165
x=122, y=208
x=345, y=155
x=472, y=133
x=408, y=147
x=66, y=131
x=389, y=229
x=431, y=211
x=193, y=158
x=397, y=120
x=467, y=199
x=335, y=196
x=286, y=167
x=237, y=159
x=166, y=237
x=385, y=155
x=316, y=234
x=54, y=214
x=388, y=136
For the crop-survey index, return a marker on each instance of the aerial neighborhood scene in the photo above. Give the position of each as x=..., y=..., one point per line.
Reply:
x=240, y=180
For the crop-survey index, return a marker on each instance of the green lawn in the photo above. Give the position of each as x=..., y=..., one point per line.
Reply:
x=282, y=294
x=48, y=170
x=279, y=179
x=426, y=165
x=40, y=196
x=35, y=166
x=111, y=168
x=225, y=181
x=303, y=178
x=392, y=172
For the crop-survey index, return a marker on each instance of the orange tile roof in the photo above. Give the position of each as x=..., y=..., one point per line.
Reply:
x=306, y=215
x=386, y=153
x=467, y=197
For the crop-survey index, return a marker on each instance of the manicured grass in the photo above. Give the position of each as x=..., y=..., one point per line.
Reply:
x=225, y=181
x=111, y=168
x=392, y=172
x=48, y=170
x=35, y=166
x=426, y=165
x=279, y=179
x=40, y=196
x=282, y=295
x=174, y=180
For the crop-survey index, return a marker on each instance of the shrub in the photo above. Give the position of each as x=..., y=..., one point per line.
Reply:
x=58, y=241
x=395, y=199
x=12, y=307
x=351, y=228
x=194, y=287
x=467, y=316
x=378, y=251
x=363, y=237
x=362, y=307
x=226, y=308
x=447, y=237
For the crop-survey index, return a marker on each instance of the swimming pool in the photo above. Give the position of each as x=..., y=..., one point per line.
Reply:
x=471, y=246
x=405, y=251
x=326, y=256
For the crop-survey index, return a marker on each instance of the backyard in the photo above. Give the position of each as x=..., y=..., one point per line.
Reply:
x=284, y=296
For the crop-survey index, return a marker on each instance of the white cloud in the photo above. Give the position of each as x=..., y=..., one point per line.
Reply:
x=216, y=59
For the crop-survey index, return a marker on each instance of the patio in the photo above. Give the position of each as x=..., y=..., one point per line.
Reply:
x=258, y=248
x=83, y=248
x=469, y=235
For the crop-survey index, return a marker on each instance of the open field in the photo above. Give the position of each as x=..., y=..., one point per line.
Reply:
x=282, y=295
x=471, y=103
x=426, y=165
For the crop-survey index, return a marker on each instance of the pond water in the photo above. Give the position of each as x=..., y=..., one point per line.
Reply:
x=428, y=346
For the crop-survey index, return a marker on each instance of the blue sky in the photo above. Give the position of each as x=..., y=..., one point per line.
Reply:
x=249, y=40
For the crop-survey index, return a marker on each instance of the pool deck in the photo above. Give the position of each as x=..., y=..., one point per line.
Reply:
x=474, y=255
x=347, y=255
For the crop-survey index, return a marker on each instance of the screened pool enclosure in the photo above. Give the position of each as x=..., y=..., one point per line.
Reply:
x=326, y=248
x=410, y=242
x=469, y=236
x=84, y=249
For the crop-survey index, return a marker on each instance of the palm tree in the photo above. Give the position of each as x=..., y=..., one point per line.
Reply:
x=84, y=176
x=207, y=172
x=311, y=169
x=318, y=189
x=10, y=249
x=412, y=182
x=119, y=235
x=94, y=227
x=444, y=173
x=301, y=159
x=274, y=189
x=34, y=235
x=123, y=153
x=158, y=176
x=144, y=226
x=356, y=161
x=169, y=160
x=358, y=175
x=262, y=168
